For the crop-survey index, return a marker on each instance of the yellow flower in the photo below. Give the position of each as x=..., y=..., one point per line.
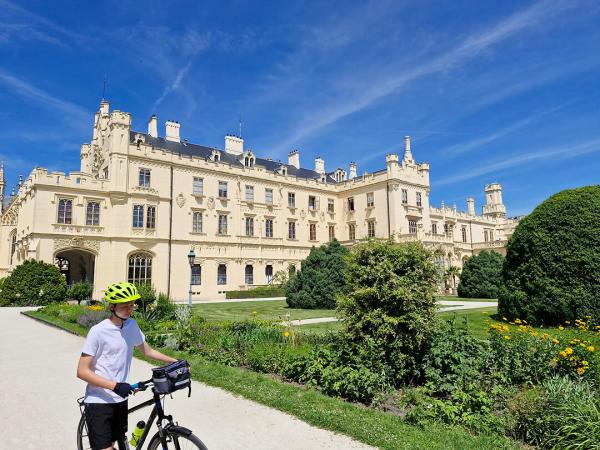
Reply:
x=484, y=312
x=254, y=312
x=517, y=320
x=581, y=371
x=507, y=337
x=525, y=322
x=505, y=327
x=286, y=333
x=563, y=354
x=555, y=341
x=568, y=322
x=591, y=348
x=504, y=318
x=569, y=351
x=561, y=328
x=585, y=363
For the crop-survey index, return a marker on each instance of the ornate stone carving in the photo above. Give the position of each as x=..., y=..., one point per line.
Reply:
x=180, y=199
x=303, y=214
x=210, y=204
x=10, y=216
x=322, y=216
x=64, y=243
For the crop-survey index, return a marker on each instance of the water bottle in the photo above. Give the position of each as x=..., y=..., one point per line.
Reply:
x=137, y=433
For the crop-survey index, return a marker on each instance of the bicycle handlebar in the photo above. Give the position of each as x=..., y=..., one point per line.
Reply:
x=141, y=385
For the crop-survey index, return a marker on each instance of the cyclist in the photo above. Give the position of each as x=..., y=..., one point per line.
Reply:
x=104, y=364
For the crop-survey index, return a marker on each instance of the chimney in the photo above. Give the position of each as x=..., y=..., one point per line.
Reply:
x=172, y=131
x=471, y=206
x=408, y=157
x=234, y=145
x=352, y=169
x=294, y=159
x=320, y=165
x=153, y=126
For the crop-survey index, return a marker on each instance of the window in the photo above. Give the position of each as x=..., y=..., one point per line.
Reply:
x=249, y=226
x=106, y=172
x=65, y=210
x=371, y=229
x=269, y=228
x=198, y=186
x=412, y=226
x=222, y=189
x=92, y=213
x=249, y=274
x=419, y=200
x=13, y=246
x=350, y=203
x=434, y=228
x=331, y=232
x=269, y=196
x=312, y=231
x=330, y=205
x=197, y=222
x=144, y=178
x=464, y=234
x=196, y=274
x=292, y=230
x=222, y=274
x=140, y=268
x=291, y=200
x=222, y=224
x=351, y=231
x=312, y=202
x=249, y=193
x=370, y=200
x=269, y=273
x=491, y=232
x=485, y=236
x=138, y=216
x=404, y=197
x=151, y=217
x=446, y=229
x=249, y=161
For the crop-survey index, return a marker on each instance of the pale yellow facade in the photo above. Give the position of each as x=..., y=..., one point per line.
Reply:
x=140, y=202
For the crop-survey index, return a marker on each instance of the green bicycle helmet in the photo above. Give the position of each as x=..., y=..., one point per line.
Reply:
x=121, y=293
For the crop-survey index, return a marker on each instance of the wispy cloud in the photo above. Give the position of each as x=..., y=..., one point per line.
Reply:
x=546, y=155
x=173, y=86
x=386, y=79
x=38, y=97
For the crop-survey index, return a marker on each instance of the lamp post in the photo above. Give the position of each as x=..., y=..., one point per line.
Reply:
x=191, y=258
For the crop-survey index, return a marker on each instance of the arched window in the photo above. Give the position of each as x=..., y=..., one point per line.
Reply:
x=140, y=268
x=222, y=274
x=13, y=245
x=269, y=273
x=249, y=274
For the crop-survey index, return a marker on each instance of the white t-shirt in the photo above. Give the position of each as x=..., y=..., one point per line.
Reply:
x=112, y=349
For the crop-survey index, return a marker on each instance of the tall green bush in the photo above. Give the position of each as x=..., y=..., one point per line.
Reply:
x=320, y=279
x=481, y=275
x=33, y=283
x=147, y=295
x=389, y=311
x=82, y=290
x=552, y=268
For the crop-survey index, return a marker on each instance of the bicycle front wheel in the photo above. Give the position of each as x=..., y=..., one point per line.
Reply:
x=177, y=441
x=83, y=442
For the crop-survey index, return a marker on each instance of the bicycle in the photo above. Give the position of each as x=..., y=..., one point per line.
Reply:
x=170, y=436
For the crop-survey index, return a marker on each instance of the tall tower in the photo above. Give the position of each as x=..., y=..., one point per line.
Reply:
x=493, y=202
x=2, y=187
x=408, y=157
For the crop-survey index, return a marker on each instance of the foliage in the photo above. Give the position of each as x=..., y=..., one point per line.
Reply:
x=280, y=278
x=147, y=296
x=481, y=275
x=82, y=290
x=389, y=312
x=92, y=317
x=257, y=292
x=320, y=279
x=552, y=264
x=559, y=413
x=33, y=283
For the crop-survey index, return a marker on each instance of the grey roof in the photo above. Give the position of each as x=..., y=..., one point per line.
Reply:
x=200, y=151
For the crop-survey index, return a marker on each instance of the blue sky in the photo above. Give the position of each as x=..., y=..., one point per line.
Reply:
x=489, y=91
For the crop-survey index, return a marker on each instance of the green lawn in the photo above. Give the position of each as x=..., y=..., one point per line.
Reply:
x=475, y=319
x=265, y=310
x=464, y=300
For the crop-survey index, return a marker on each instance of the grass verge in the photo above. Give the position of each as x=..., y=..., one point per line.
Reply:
x=265, y=310
x=366, y=425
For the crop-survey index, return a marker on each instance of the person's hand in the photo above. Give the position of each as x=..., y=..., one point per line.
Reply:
x=123, y=389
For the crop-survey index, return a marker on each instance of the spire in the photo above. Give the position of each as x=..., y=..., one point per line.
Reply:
x=408, y=157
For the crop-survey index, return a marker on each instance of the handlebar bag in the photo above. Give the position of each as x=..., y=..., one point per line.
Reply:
x=172, y=377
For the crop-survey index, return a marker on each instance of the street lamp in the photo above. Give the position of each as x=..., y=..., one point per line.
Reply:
x=191, y=258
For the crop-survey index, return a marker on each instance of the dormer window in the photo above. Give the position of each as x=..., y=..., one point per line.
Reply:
x=249, y=159
x=283, y=170
x=216, y=155
x=340, y=175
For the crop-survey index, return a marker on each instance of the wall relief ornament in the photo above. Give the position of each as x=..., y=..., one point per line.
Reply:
x=180, y=200
x=10, y=216
x=303, y=214
x=322, y=216
x=64, y=243
x=210, y=204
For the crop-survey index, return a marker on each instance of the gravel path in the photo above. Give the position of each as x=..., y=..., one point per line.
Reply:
x=38, y=392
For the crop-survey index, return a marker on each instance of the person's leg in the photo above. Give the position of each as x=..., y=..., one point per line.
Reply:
x=98, y=417
x=119, y=425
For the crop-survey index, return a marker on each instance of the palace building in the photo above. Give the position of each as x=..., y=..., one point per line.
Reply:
x=141, y=201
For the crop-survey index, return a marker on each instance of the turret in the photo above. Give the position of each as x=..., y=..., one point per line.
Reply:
x=493, y=202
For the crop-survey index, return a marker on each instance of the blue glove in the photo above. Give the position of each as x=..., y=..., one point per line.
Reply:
x=123, y=389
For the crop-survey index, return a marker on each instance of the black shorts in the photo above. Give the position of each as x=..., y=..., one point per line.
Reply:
x=106, y=423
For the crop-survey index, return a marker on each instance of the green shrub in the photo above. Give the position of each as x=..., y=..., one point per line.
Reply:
x=390, y=309
x=481, y=275
x=257, y=292
x=82, y=290
x=320, y=279
x=33, y=283
x=553, y=261
x=147, y=296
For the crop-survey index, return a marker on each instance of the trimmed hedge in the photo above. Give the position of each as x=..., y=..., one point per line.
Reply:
x=481, y=275
x=257, y=292
x=33, y=283
x=552, y=268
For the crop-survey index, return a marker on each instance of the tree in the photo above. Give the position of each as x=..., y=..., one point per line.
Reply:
x=450, y=275
x=481, y=275
x=82, y=290
x=147, y=295
x=320, y=279
x=389, y=310
x=33, y=283
x=552, y=268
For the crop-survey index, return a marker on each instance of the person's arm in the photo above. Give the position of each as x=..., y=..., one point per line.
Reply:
x=85, y=372
x=154, y=354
